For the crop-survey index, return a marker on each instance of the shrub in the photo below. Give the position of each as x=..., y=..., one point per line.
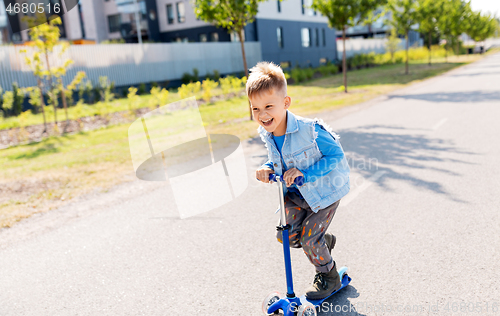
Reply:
x=195, y=75
x=208, y=85
x=18, y=94
x=297, y=75
x=105, y=89
x=142, y=89
x=133, y=99
x=236, y=83
x=216, y=75
x=186, y=78
x=158, y=97
x=225, y=84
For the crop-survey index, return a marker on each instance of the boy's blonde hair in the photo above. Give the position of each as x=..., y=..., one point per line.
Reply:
x=264, y=77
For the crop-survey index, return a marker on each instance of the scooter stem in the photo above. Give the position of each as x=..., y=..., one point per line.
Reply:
x=286, y=243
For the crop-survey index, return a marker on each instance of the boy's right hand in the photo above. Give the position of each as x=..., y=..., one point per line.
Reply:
x=263, y=174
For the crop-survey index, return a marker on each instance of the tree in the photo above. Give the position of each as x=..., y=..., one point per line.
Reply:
x=452, y=24
x=342, y=14
x=403, y=17
x=428, y=17
x=392, y=43
x=45, y=37
x=481, y=26
x=232, y=15
x=460, y=12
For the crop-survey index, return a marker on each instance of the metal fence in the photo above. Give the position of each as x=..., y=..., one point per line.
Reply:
x=131, y=64
x=364, y=46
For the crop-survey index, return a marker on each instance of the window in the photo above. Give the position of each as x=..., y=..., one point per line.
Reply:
x=279, y=33
x=214, y=37
x=170, y=14
x=203, y=37
x=279, y=5
x=235, y=37
x=306, y=39
x=114, y=22
x=317, y=37
x=324, y=36
x=302, y=4
x=181, y=17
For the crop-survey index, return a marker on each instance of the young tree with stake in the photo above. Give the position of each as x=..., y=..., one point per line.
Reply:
x=232, y=15
x=342, y=14
x=403, y=17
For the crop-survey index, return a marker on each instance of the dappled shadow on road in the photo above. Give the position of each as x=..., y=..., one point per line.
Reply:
x=469, y=96
x=375, y=148
x=339, y=303
x=477, y=74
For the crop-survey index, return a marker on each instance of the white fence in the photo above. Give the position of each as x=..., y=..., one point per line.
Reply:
x=129, y=64
x=365, y=46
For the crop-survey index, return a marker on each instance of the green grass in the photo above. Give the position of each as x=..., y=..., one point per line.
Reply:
x=60, y=168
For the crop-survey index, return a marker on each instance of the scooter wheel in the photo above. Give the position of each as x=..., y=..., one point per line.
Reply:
x=306, y=310
x=269, y=300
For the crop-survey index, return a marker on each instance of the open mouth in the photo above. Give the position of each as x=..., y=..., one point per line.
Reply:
x=267, y=122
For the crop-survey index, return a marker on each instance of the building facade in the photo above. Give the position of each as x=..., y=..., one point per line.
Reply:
x=290, y=33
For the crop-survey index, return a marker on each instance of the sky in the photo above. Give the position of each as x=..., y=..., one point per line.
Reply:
x=493, y=6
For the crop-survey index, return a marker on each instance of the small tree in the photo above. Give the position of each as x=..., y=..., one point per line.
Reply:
x=428, y=17
x=232, y=15
x=404, y=16
x=45, y=36
x=393, y=43
x=342, y=14
x=460, y=13
x=481, y=26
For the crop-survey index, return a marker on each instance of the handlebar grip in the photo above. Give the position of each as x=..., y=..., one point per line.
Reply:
x=298, y=181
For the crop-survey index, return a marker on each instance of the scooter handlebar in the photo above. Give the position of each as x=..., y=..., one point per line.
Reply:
x=298, y=181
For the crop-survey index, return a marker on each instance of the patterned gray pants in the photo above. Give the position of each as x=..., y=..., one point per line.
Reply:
x=308, y=230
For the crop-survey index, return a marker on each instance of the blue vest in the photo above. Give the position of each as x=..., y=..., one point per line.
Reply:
x=301, y=151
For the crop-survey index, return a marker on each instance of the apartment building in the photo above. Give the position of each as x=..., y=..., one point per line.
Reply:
x=289, y=32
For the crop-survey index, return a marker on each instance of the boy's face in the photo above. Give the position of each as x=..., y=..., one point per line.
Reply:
x=269, y=110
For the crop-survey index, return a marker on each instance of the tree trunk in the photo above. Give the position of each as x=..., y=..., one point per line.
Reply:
x=42, y=106
x=407, y=47
x=242, y=42
x=344, y=62
x=50, y=82
x=446, y=52
x=63, y=97
x=430, y=47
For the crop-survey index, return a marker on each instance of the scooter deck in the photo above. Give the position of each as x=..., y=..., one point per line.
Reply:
x=345, y=281
x=288, y=305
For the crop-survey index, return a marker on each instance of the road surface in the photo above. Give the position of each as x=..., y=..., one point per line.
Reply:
x=419, y=229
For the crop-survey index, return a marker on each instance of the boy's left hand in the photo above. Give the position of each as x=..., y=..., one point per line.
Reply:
x=290, y=175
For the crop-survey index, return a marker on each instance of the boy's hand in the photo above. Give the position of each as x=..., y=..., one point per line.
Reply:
x=263, y=174
x=290, y=176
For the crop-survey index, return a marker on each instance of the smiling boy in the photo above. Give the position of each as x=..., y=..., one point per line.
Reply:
x=305, y=147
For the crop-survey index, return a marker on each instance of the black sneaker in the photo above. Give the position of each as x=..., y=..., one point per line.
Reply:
x=324, y=284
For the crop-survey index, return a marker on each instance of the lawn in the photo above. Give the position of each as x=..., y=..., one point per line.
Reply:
x=40, y=176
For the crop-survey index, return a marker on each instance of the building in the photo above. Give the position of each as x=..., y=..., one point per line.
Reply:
x=290, y=33
x=378, y=29
x=5, y=35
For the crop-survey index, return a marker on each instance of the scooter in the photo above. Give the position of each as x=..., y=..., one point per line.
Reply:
x=292, y=305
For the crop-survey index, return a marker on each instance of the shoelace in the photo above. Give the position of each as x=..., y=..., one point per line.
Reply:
x=319, y=278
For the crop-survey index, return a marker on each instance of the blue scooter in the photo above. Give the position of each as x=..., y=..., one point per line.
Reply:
x=292, y=305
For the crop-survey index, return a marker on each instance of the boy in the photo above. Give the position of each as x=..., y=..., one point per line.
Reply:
x=299, y=146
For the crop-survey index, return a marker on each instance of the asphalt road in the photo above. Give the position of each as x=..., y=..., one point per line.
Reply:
x=419, y=230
